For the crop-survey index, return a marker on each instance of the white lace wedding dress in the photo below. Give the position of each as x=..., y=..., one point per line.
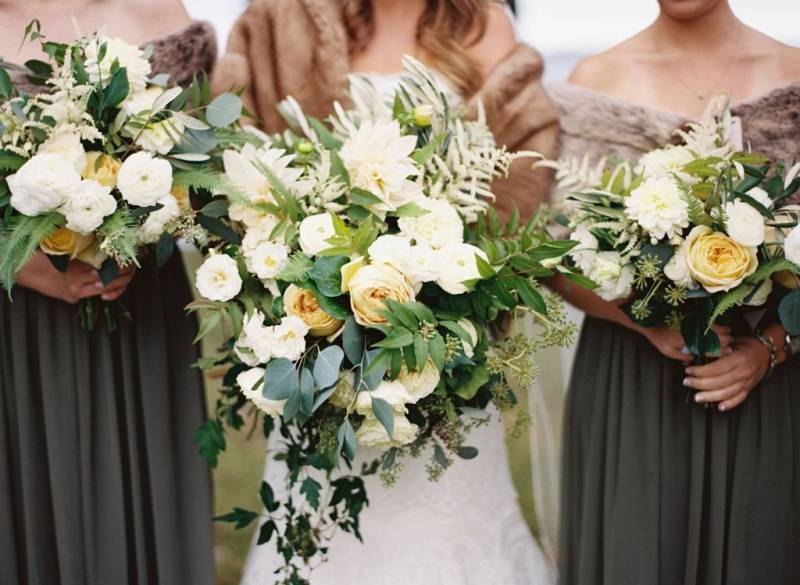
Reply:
x=465, y=529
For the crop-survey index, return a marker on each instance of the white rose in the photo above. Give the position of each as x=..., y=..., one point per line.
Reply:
x=128, y=56
x=156, y=222
x=267, y=259
x=583, y=254
x=420, y=384
x=614, y=279
x=88, y=206
x=677, y=269
x=256, y=340
x=67, y=144
x=43, y=184
x=761, y=196
x=659, y=207
x=143, y=179
x=290, y=338
x=791, y=246
x=469, y=327
x=459, y=266
x=761, y=294
x=218, y=278
x=252, y=384
x=438, y=228
x=744, y=223
x=393, y=392
x=313, y=233
x=391, y=249
x=372, y=433
x=422, y=263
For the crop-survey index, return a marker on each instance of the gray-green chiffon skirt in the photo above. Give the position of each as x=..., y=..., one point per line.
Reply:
x=660, y=491
x=100, y=483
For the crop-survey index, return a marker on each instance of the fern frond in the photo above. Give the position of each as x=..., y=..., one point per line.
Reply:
x=10, y=162
x=20, y=239
x=697, y=210
x=727, y=302
x=119, y=237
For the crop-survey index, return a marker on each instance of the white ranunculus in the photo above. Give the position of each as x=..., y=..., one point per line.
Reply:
x=422, y=263
x=659, y=207
x=161, y=137
x=583, y=254
x=67, y=144
x=252, y=384
x=744, y=224
x=791, y=246
x=267, y=259
x=218, y=278
x=438, y=228
x=469, y=327
x=43, y=184
x=258, y=232
x=144, y=179
x=372, y=433
x=761, y=294
x=666, y=161
x=377, y=157
x=128, y=56
x=459, y=266
x=256, y=341
x=314, y=231
x=761, y=196
x=157, y=137
x=393, y=392
x=613, y=278
x=420, y=384
x=677, y=269
x=390, y=249
x=156, y=222
x=88, y=206
x=290, y=338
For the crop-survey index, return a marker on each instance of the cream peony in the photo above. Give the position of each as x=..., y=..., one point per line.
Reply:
x=420, y=384
x=717, y=262
x=43, y=184
x=128, y=56
x=370, y=286
x=302, y=303
x=372, y=433
x=218, y=278
x=791, y=246
x=744, y=223
x=659, y=207
x=252, y=384
x=377, y=157
x=67, y=144
x=158, y=220
x=614, y=278
x=290, y=338
x=143, y=179
x=88, y=206
x=457, y=266
x=440, y=227
x=314, y=231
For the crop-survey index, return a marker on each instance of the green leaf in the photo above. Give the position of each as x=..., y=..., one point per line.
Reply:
x=384, y=413
x=467, y=452
x=484, y=268
x=6, y=86
x=240, y=517
x=347, y=440
x=164, y=249
x=364, y=198
x=729, y=300
x=224, y=110
x=410, y=210
x=208, y=323
x=118, y=88
x=699, y=339
x=210, y=441
x=280, y=379
x=420, y=351
x=10, y=161
x=293, y=404
x=765, y=271
x=436, y=349
x=579, y=279
x=530, y=296
x=421, y=311
x=458, y=330
x=296, y=269
x=266, y=531
x=19, y=240
x=399, y=337
x=328, y=365
x=353, y=341
x=327, y=274
x=789, y=312
x=306, y=392
x=478, y=377
x=311, y=488
x=373, y=367
x=404, y=314
x=328, y=140
x=216, y=227
x=327, y=304
x=215, y=208
x=267, y=496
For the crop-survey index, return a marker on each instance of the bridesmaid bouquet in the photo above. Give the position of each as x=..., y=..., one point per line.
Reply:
x=690, y=232
x=364, y=267
x=97, y=156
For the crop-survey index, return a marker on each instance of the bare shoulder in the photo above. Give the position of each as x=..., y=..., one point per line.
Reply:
x=789, y=60
x=498, y=40
x=602, y=72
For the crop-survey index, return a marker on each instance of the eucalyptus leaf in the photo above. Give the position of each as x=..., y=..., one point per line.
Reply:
x=789, y=312
x=328, y=366
x=384, y=413
x=327, y=274
x=347, y=440
x=353, y=341
x=280, y=379
x=224, y=110
x=307, y=387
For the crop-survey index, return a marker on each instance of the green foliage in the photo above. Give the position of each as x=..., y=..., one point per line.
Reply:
x=19, y=240
x=210, y=440
x=297, y=268
x=10, y=162
x=224, y=110
x=789, y=312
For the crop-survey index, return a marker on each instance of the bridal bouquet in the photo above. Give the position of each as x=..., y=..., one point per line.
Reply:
x=690, y=232
x=358, y=296
x=95, y=153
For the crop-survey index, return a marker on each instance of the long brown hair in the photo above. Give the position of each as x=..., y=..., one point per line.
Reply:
x=444, y=32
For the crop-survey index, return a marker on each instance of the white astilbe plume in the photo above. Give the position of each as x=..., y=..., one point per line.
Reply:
x=326, y=188
x=713, y=135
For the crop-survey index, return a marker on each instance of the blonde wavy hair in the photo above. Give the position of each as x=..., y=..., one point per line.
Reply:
x=444, y=32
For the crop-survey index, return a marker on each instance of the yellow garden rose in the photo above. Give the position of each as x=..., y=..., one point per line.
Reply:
x=181, y=195
x=301, y=303
x=716, y=261
x=65, y=242
x=102, y=168
x=371, y=286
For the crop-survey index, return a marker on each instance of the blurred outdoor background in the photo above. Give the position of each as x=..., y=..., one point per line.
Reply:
x=563, y=31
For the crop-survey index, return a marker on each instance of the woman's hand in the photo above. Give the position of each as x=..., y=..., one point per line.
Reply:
x=670, y=342
x=78, y=282
x=730, y=379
